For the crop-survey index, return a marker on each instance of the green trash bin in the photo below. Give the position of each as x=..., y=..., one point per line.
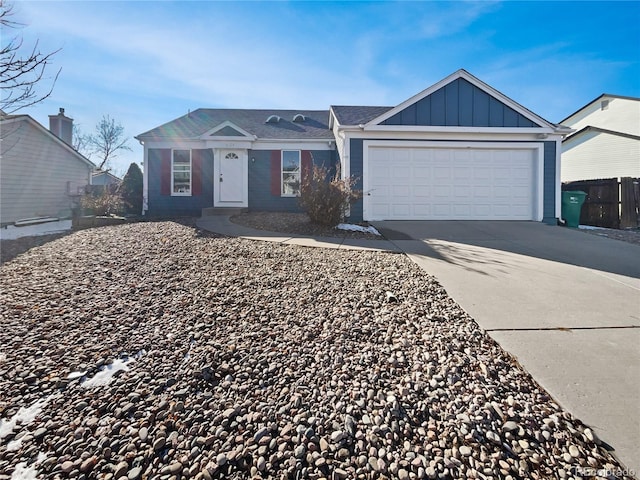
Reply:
x=571, y=207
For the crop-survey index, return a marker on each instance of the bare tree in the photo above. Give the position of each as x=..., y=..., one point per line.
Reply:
x=20, y=74
x=81, y=141
x=108, y=140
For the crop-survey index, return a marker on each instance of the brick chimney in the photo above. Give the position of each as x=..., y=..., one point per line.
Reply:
x=62, y=127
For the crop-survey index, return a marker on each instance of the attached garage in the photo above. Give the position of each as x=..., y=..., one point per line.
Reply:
x=451, y=181
x=459, y=150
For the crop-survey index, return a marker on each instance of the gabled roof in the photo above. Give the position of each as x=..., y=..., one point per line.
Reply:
x=599, y=130
x=536, y=120
x=8, y=119
x=197, y=123
x=597, y=99
x=462, y=91
x=356, y=115
x=107, y=174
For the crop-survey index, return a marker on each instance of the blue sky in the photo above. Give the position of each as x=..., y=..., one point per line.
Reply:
x=145, y=63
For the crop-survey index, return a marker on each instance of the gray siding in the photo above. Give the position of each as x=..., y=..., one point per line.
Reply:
x=549, y=187
x=260, y=197
x=37, y=173
x=460, y=104
x=169, y=206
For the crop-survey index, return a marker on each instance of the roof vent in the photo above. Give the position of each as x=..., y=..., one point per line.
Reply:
x=298, y=117
x=273, y=119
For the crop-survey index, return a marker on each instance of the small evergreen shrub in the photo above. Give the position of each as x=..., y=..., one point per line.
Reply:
x=326, y=199
x=131, y=189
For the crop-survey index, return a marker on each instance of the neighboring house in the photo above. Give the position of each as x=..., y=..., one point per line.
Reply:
x=457, y=150
x=104, y=178
x=41, y=175
x=606, y=142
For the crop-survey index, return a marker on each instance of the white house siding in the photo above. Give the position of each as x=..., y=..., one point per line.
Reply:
x=36, y=173
x=596, y=155
x=621, y=115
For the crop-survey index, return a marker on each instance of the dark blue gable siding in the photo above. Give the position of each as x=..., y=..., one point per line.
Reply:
x=549, y=187
x=260, y=197
x=356, y=156
x=168, y=206
x=460, y=104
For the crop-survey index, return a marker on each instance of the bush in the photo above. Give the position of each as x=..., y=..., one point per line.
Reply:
x=101, y=203
x=326, y=199
x=131, y=189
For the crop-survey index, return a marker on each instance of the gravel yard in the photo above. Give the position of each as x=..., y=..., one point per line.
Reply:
x=153, y=351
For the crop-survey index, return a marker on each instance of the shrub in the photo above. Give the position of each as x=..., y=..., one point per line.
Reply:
x=131, y=189
x=326, y=199
x=104, y=202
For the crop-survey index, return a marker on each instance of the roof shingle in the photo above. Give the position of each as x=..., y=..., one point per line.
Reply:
x=199, y=122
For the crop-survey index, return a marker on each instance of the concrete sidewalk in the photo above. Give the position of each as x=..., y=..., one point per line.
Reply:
x=222, y=225
x=565, y=303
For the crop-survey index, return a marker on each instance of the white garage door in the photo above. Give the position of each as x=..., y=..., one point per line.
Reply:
x=418, y=183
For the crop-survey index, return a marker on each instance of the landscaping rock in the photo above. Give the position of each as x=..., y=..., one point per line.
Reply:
x=217, y=358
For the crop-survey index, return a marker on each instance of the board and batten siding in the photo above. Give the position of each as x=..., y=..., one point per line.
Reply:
x=460, y=104
x=549, y=184
x=595, y=155
x=37, y=174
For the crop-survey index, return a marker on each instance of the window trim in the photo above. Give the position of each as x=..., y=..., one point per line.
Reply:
x=282, y=172
x=173, y=192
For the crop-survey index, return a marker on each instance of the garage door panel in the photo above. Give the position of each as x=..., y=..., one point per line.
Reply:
x=450, y=183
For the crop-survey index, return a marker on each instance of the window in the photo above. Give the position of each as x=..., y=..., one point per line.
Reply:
x=604, y=104
x=181, y=172
x=290, y=173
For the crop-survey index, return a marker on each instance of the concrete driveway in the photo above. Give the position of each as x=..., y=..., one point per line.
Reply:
x=565, y=303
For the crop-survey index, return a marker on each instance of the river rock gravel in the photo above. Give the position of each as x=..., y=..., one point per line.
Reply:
x=154, y=351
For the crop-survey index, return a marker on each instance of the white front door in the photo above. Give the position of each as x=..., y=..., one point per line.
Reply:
x=231, y=179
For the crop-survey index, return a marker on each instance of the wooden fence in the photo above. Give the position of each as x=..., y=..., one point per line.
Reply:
x=610, y=202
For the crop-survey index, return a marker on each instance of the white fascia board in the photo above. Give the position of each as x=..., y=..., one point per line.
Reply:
x=474, y=81
x=175, y=143
x=303, y=144
x=452, y=135
x=229, y=142
x=392, y=129
x=469, y=144
x=227, y=123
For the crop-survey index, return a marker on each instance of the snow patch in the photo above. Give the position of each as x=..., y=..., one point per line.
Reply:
x=24, y=472
x=24, y=417
x=105, y=376
x=358, y=228
x=589, y=227
x=74, y=375
x=14, y=445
